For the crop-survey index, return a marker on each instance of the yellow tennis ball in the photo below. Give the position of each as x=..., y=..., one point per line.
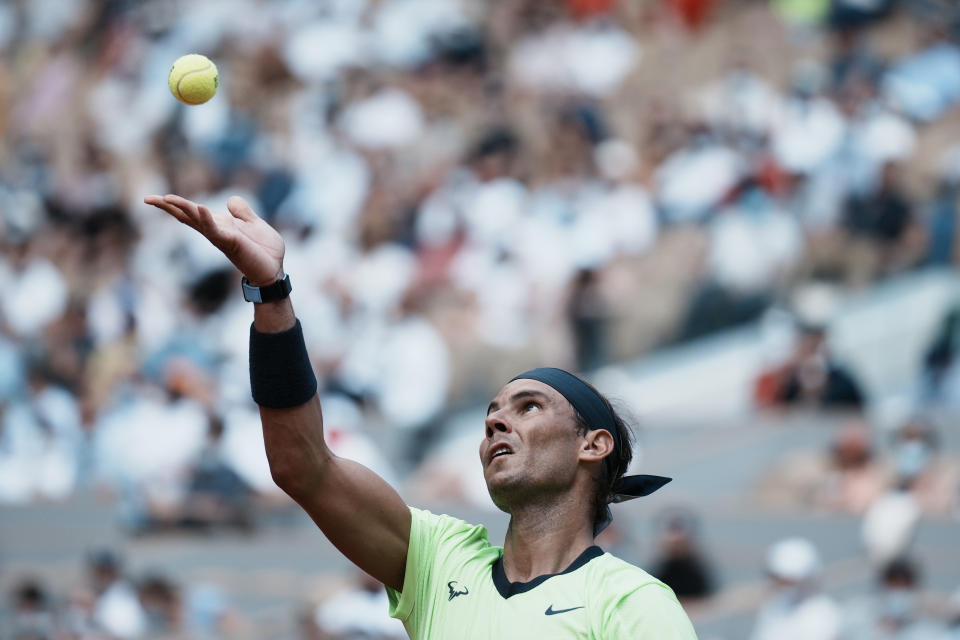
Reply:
x=193, y=79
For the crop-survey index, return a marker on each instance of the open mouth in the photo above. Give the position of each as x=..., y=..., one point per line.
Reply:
x=499, y=450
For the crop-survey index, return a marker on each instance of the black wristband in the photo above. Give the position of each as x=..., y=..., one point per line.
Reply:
x=281, y=375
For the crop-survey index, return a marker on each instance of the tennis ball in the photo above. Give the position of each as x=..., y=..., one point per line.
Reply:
x=193, y=79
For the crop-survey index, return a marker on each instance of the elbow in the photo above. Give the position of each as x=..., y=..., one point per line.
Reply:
x=288, y=479
x=283, y=477
x=297, y=476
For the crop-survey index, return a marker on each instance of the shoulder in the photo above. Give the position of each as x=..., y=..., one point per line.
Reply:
x=621, y=575
x=635, y=603
x=439, y=530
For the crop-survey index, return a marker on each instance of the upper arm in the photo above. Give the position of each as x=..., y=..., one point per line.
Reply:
x=356, y=509
x=363, y=517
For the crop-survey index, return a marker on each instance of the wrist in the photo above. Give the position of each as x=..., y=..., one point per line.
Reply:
x=272, y=317
x=266, y=282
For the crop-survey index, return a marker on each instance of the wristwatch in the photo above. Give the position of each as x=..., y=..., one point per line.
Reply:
x=276, y=291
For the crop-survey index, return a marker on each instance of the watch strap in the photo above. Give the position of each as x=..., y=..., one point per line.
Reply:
x=269, y=293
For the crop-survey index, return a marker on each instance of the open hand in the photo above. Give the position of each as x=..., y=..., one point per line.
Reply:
x=252, y=245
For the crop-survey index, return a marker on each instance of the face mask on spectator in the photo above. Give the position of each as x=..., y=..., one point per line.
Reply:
x=789, y=597
x=897, y=604
x=911, y=458
x=754, y=202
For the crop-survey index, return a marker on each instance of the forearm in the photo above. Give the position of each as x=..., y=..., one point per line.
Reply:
x=296, y=450
x=358, y=512
x=293, y=436
x=273, y=317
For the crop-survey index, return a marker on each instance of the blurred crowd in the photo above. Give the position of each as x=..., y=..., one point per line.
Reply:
x=798, y=608
x=115, y=603
x=111, y=604
x=465, y=188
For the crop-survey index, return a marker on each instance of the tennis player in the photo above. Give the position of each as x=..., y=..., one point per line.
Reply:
x=553, y=454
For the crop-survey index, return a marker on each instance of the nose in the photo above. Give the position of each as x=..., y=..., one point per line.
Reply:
x=495, y=423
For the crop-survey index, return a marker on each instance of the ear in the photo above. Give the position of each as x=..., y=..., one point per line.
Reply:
x=597, y=445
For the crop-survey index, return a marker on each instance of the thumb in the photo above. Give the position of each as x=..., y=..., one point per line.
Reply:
x=240, y=209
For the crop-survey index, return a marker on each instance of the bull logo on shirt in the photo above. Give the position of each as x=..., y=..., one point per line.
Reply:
x=456, y=589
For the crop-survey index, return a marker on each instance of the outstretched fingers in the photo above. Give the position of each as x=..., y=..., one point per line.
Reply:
x=187, y=206
x=172, y=209
x=205, y=216
x=203, y=219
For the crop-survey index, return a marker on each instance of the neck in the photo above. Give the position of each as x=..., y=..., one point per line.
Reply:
x=545, y=539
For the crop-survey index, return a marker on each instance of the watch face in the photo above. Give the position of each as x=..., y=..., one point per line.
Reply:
x=250, y=292
x=276, y=291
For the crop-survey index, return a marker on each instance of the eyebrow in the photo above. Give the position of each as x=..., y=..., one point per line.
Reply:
x=520, y=395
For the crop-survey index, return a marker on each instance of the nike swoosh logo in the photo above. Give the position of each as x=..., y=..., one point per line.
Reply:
x=552, y=612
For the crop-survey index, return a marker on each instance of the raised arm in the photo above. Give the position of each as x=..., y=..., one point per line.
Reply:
x=358, y=512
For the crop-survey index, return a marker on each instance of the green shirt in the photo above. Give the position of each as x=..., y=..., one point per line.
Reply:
x=455, y=587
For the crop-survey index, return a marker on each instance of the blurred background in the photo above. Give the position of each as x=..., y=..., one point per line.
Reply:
x=738, y=217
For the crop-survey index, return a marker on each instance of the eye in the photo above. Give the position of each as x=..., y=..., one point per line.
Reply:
x=529, y=406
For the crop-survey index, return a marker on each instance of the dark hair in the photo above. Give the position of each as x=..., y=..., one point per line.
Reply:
x=31, y=593
x=900, y=571
x=105, y=559
x=614, y=465
x=158, y=586
x=496, y=140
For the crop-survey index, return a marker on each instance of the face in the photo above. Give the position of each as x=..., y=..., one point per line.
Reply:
x=530, y=447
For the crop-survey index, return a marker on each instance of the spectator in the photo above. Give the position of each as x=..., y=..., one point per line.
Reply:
x=681, y=564
x=853, y=14
x=117, y=609
x=207, y=612
x=893, y=612
x=941, y=362
x=810, y=377
x=359, y=612
x=880, y=225
x=890, y=524
x=588, y=315
x=162, y=605
x=933, y=481
x=848, y=477
x=217, y=496
x=591, y=59
x=926, y=83
x=810, y=129
x=40, y=441
x=855, y=478
x=78, y=615
x=38, y=292
x=852, y=59
x=32, y=613
x=795, y=608
x=754, y=245
x=942, y=226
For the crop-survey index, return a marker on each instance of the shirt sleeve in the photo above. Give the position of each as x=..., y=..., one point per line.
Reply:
x=649, y=612
x=417, y=573
x=434, y=539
